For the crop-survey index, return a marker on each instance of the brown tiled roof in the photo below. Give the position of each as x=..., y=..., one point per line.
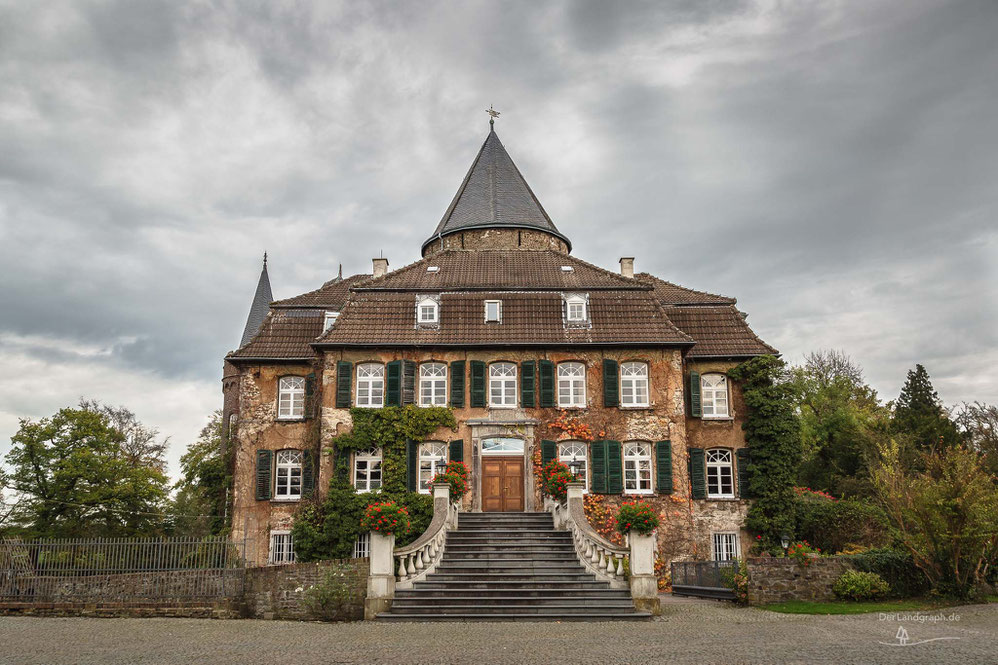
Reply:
x=718, y=331
x=528, y=319
x=285, y=334
x=501, y=269
x=332, y=294
x=673, y=294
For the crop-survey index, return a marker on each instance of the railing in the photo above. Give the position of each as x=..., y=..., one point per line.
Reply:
x=119, y=568
x=599, y=555
x=706, y=579
x=417, y=559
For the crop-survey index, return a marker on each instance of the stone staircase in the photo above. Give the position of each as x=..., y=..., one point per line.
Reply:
x=511, y=567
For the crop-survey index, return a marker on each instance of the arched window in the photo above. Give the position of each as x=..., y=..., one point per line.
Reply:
x=634, y=384
x=714, y=395
x=367, y=470
x=571, y=384
x=637, y=467
x=428, y=311
x=291, y=397
x=432, y=460
x=502, y=384
x=433, y=384
x=720, y=476
x=371, y=385
x=578, y=451
x=288, y=467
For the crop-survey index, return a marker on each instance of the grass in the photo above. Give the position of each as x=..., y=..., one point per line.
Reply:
x=851, y=607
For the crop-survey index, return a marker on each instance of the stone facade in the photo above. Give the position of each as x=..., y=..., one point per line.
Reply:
x=496, y=239
x=778, y=580
x=278, y=592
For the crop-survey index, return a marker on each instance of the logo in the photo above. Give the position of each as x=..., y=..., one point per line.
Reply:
x=902, y=639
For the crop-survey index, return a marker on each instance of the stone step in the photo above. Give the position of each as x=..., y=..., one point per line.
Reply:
x=509, y=585
x=539, y=576
x=552, y=616
x=509, y=568
x=527, y=595
x=446, y=607
x=524, y=549
x=508, y=533
x=471, y=555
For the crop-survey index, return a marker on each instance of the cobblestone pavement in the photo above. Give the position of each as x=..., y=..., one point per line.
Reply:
x=700, y=632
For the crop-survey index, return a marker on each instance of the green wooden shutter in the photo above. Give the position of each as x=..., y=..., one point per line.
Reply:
x=412, y=465
x=408, y=382
x=614, y=468
x=264, y=464
x=695, y=408
x=663, y=458
x=547, y=384
x=457, y=384
x=528, y=384
x=698, y=474
x=393, y=383
x=477, y=383
x=598, y=453
x=309, y=473
x=457, y=450
x=344, y=378
x=549, y=451
x=744, y=458
x=611, y=383
x=310, y=396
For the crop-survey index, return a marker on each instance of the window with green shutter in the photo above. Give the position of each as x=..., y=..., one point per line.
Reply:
x=547, y=384
x=549, y=452
x=309, y=473
x=477, y=384
x=597, y=451
x=457, y=384
x=264, y=465
x=344, y=377
x=310, y=396
x=698, y=473
x=614, y=468
x=393, y=383
x=663, y=460
x=457, y=450
x=743, y=457
x=696, y=409
x=611, y=383
x=412, y=465
x=528, y=384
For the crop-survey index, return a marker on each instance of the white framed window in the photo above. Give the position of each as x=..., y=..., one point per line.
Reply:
x=291, y=397
x=725, y=546
x=282, y=547
x=362, y=546
x=575, y=309
x=367, y=470
x=433, y=384
x=714, y=395
x=502, y=385
x=329, y=320
x=371, y=385
x=428, y=311
x=493, y=311
x=634, y=384
x=637, y=468
x=720, y=474
x=578, y=451
x=288, y=465
x=432, y=460
x=571, y=384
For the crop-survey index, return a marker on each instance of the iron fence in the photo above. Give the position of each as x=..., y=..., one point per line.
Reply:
x=120, y=569
x=708, y=579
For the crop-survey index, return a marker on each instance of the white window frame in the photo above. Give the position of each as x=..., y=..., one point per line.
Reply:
x=725, y=545
x=432, y=460
x=569, y=450
x=329, y=320
x=371, y=385
x=635, y=387
x=578, y=303
x=282, y=548
x=572, y=384
x=427, y=311
x=720, y=470
x=288, y=471
x=714, y=396
x=433, y=384
x=506, y=384
x=498, y=314
x=291, y=398
x=368, y=463
x=362, y=546
x=637, y=464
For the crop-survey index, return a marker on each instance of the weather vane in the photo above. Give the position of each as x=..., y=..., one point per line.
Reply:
x=492, y=113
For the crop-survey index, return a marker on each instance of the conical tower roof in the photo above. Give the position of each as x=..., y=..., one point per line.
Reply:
x=260, y=307
x=494, y=194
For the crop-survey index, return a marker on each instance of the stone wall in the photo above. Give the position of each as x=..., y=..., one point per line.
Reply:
x=777, y=580
x=278, y=592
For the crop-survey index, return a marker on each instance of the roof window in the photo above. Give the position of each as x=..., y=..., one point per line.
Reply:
x=428, y=311
x=432, y=268
x=567, y=269
x=493, y=311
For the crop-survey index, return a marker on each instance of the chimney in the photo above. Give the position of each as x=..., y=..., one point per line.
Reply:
x=627, y=266
x=380, y=267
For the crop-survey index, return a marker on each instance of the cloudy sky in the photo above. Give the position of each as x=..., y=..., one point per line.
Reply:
x=831, y=164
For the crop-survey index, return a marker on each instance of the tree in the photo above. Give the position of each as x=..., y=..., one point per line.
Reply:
x=76, y=481
x=139, y=443
x=978, y=425
x=200, y=506
x=919, y=417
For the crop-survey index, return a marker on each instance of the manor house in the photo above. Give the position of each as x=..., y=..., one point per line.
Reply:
x=529, y=346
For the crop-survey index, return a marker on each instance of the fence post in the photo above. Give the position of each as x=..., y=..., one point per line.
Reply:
x=644, y=584
x=381, y=579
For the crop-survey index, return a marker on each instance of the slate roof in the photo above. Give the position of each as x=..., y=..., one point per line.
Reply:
x=259, y=307
x=332, y=295
x=673, y=294
x=719, y=331
x=494, y=194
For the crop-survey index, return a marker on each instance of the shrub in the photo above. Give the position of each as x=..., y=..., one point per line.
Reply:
x=859, y=585
x=334, y=598
x=386, y=517
x=420, y=507
x=831, y=525
x=896, y=567
x=455, y=475
x=636, y=516
x=555, y=477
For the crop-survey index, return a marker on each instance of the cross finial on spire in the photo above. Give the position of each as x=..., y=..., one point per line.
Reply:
x=265, y=259
x=493, y=115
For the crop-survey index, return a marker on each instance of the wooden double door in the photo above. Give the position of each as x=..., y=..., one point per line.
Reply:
x=502, y=484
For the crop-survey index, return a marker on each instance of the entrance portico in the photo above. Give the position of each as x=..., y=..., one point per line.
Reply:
x=501, y=468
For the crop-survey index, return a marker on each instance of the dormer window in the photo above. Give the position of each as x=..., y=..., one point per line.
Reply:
x=329, y=320
x=493, y=311
x=428, y=311
x=576, y=309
